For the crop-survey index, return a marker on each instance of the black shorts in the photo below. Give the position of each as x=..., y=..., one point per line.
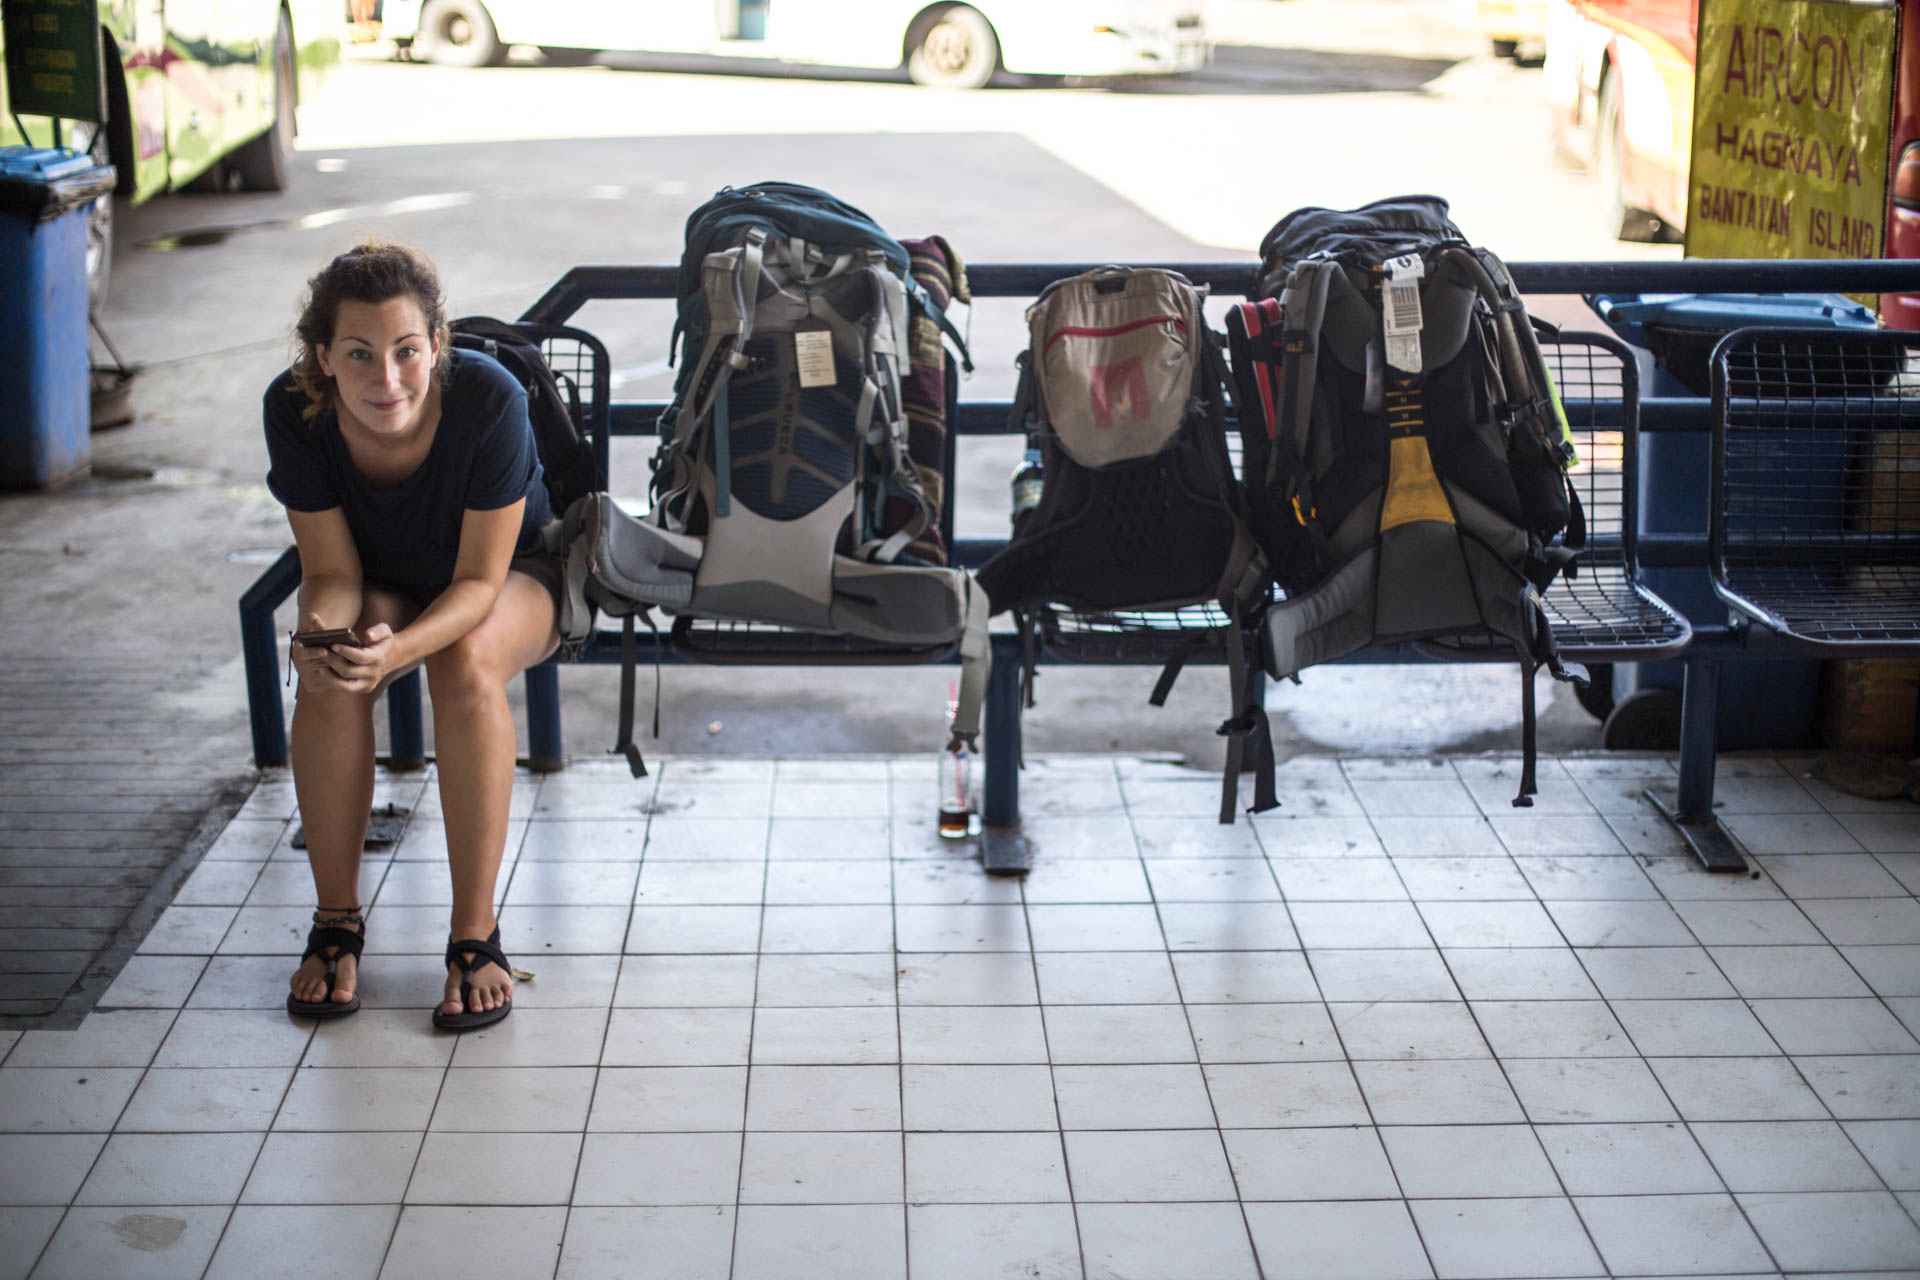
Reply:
x=547, y=569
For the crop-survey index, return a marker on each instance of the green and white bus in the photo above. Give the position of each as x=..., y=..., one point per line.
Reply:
x=197, y=92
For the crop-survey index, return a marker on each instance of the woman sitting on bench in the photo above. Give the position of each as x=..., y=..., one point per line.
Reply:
x=411, y=479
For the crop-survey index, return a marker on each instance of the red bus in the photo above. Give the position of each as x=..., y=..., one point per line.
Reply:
x=1619, y=80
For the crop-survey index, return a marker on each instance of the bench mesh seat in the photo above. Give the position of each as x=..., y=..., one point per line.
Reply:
x=1815, y=528
x=1135, y=636
x=717, y=640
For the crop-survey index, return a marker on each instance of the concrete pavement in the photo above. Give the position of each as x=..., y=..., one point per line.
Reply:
x=121, y=690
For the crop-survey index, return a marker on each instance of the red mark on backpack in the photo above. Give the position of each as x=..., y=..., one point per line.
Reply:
x=1110, y=386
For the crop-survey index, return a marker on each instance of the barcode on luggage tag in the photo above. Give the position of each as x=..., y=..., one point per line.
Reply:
x=1403, y=307
x=1402, y=301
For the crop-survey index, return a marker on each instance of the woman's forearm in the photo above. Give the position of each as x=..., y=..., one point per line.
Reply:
x=453, y=613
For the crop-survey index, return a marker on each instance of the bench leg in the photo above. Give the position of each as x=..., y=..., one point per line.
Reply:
x=543, y=719
x=259, y=648
x=1003, y=849
x=1699, y=711
x=1692, y=812
x=406, y=730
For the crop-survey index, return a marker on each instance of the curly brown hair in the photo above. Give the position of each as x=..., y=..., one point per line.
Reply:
x=373, y=271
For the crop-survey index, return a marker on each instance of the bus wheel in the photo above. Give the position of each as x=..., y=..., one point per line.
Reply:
x=1617, y=218
x=953, y=48
x=459, y=33
x=261, y=165
x=1646, y=721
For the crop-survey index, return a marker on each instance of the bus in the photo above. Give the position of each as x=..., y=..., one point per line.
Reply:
x=937, y=43
x=199, y=92
x=1619, y=82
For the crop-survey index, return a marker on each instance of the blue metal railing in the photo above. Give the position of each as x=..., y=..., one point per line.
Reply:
x=1658, y=414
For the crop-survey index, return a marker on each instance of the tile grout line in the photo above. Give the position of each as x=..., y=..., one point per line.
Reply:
x=899, y=1027
x=753, y=1020
x=1666, y=1093
x=1046, y=1033
x=1186, y=1016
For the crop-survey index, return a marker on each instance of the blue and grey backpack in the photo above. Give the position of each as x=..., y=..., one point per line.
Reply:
x=784, y=491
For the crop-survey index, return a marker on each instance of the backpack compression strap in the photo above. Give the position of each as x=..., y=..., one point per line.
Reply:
x=1303, y=306
x=563, y=537
x=1243, y=592
x=1530, y=386
x=933, y=311
x=629, y=659
x=976, y=661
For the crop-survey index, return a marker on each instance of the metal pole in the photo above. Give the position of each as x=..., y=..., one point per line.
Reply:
x=544, y=754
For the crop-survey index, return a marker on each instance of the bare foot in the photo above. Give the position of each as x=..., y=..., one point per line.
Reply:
x=492, y=988
x=309, y=984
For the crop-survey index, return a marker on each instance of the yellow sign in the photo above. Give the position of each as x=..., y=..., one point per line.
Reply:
x=1792, y=102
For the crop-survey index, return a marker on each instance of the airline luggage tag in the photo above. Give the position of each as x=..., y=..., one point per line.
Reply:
x=1400, y=308
x=813, y=354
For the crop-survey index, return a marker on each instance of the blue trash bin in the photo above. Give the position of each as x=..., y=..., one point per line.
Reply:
x=1762, y=704
x=45, y=415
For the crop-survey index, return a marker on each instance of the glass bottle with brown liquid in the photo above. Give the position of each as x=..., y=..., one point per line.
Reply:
x=954, y=768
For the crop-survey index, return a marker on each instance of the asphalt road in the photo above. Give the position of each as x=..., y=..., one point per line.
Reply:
x=509, y=176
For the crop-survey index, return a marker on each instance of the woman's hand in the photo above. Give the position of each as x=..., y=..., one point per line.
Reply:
x=346, y=668
x=360, y=670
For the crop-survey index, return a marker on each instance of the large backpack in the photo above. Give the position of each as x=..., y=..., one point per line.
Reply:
x=554, y=404
x=1404, y=446
x=786, y=448
x=1122, y=391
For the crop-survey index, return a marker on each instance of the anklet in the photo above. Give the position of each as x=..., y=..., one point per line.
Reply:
x=351, y=916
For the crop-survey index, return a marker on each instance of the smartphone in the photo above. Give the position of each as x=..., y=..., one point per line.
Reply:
x=331, y=635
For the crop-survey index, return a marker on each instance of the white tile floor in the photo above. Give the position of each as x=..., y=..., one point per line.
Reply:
x=781, y=1031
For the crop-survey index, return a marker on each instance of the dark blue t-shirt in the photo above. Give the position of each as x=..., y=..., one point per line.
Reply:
x=483, y=457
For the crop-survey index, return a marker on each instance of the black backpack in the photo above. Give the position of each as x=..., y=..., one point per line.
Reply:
x=1123, y=394
x=554, y=404
x=1405, y=449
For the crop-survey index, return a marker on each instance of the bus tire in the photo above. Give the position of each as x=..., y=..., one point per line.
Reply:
x=458, y=33
x=1618, y=219
x=1646, y=721
x=952, y=48
x=262, y=165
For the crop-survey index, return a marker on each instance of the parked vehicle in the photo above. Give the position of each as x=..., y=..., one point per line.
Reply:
x=198, y=91
x=1619, y=81
x=1514, y=28
x=939, y=43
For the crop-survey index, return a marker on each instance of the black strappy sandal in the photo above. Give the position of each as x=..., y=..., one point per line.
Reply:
x=328, y=933
x=469, y=954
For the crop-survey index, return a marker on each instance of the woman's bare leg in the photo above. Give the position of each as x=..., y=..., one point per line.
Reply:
x=332, y=756
x=473, y=737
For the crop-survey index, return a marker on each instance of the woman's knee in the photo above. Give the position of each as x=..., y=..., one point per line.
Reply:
x=331, y=701
x=468, y=667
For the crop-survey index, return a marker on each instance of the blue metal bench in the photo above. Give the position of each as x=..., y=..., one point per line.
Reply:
x=1603, y=615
